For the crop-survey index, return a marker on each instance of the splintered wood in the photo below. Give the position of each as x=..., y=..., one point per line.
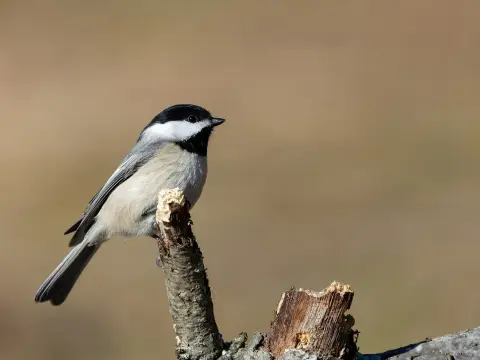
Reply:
x=314, y=322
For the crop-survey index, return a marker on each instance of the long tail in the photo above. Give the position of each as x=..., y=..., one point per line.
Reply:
x=60, y=282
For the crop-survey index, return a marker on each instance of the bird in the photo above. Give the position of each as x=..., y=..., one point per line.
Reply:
x=171, y=152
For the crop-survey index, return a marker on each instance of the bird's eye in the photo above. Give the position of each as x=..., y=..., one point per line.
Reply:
x=192, y=118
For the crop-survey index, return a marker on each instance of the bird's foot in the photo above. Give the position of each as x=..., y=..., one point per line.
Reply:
x=159, y=263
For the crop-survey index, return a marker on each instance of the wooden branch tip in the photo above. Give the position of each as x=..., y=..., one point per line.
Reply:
x=169, y=201
x=314, y=322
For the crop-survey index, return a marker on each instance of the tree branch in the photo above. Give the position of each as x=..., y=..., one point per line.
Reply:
x=462, y=345
x=186, y=281
x=308, y=325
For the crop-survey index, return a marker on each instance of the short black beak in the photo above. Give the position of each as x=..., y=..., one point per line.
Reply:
x=217, y=121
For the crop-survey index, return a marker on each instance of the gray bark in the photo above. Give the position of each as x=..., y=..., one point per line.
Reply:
x=186, y=283
x=462, y=345
x=197, y=334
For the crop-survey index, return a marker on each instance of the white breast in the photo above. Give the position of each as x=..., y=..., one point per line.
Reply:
x=170, y=168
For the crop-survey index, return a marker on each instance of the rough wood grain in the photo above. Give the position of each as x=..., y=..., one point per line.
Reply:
x=186, y=282
x=308, y=325
x=314, y=322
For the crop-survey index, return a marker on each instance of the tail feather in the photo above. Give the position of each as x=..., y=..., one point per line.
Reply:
x=60, y=282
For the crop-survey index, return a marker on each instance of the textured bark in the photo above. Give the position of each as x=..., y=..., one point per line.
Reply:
x=307, y=326
x=314, y=322
x=463, y=345
x=186, y=282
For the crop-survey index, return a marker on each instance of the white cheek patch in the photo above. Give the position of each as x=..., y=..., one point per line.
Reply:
x=175, y=130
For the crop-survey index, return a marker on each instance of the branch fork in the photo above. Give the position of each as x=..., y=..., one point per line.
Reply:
x=308, y=325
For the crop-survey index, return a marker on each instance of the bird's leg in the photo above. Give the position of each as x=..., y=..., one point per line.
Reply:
x=159, y=240
x=159, y=263
x=149, y=216
x=188, y=206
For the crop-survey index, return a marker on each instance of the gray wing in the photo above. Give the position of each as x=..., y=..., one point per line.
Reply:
x=138, y=156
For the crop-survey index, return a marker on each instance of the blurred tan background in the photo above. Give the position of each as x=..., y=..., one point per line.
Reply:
x=351, y=153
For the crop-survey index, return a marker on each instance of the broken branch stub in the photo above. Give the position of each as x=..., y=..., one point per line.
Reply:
x=314, y=322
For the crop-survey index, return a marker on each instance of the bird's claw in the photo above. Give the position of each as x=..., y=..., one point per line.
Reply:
x=158, y=261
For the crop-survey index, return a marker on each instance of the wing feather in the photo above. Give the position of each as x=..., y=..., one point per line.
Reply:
x=139, y=155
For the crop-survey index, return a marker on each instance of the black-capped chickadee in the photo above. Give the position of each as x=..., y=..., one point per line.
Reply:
x=171, y=152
